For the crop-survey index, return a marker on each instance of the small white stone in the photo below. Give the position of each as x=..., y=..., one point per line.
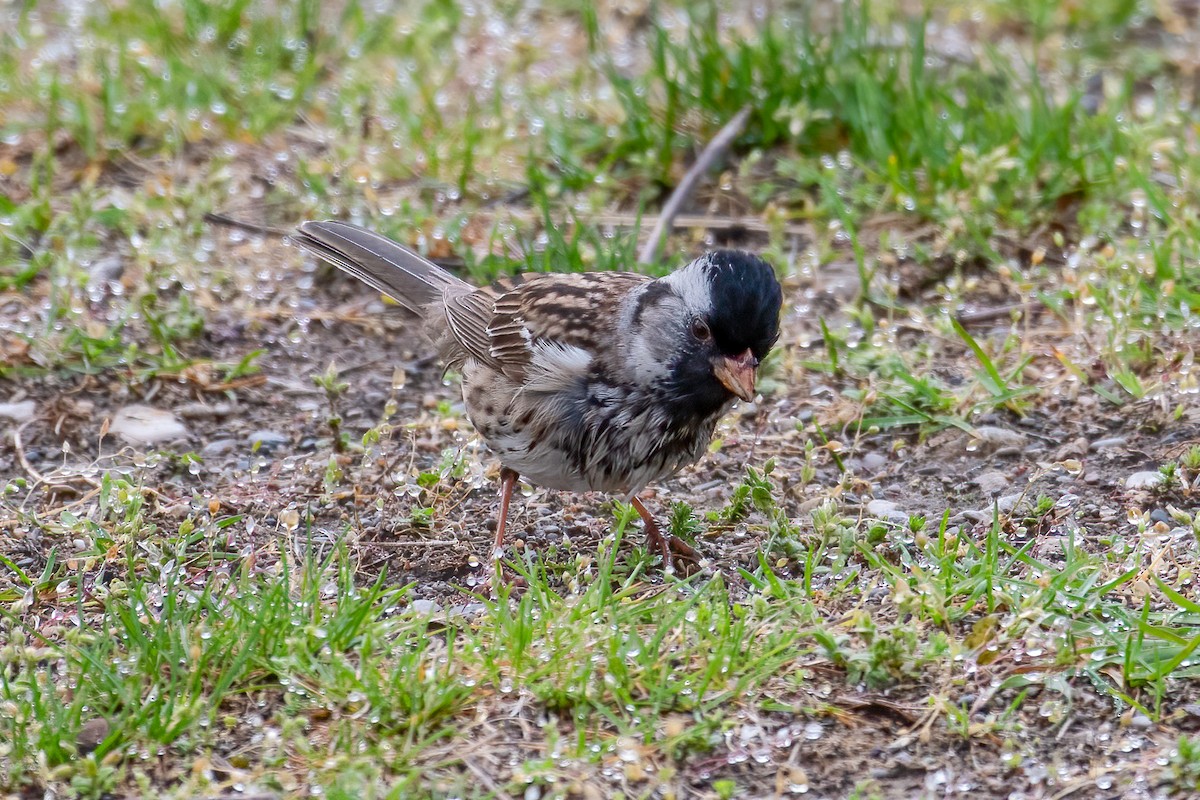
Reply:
x=17, y=412
x=874, y=461
x=1144, y=480
x=146, y=425
x=991, y=483
x=423, y=606
x=887, y=510
x=996, y=436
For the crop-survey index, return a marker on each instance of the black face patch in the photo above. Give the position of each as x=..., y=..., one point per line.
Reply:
x=691, y=391
x=746, y=298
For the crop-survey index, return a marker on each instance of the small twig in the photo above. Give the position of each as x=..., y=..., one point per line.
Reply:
x=515, y=196
x=715, y=149
x=751, y=224
x=991, y=314
x=54, y=512
x=909, y=714
x=417, y=543
x=483, y=777
x=214, y=218
x=25, y=465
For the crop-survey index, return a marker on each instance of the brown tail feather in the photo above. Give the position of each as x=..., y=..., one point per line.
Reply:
x=377, y=261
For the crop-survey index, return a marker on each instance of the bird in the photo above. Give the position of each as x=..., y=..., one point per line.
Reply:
x=584, y=382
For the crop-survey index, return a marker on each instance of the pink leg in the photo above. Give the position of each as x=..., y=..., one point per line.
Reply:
x=668, y=546
x=508, y=480
x=654, y=537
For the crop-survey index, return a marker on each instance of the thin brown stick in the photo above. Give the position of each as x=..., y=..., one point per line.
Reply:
x=483, y=777
x=715, y=149
x=215, y=218
x=751, y=224
x=992, y=314
x=25, y=465
x=54, y=512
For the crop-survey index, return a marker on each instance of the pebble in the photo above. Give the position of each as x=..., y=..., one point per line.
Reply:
x=1076, y=448
x=1109, y=443
x=17, y=412
x=104, y=271
x=267, y=439
x=1158, y=515
x=423, y=606
x=91, y=734
x=887, y=510
x=995, y=436
x=218, y=447
x=991, y=483
x=1141, y=721
x=873, y=462
x=1009, y=502
x=146, y=425
x=468, y=610
x=1144, y=480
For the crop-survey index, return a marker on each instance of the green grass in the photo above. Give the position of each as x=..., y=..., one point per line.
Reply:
x=195, y=652
x=185, y=643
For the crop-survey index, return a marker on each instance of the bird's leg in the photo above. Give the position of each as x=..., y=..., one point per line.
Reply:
x=667, y=545
x=654, y=537
x=508, y=480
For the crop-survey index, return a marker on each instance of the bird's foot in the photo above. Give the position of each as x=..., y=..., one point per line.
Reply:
x=685, y=557
x=668, y=546
x=499, y=576
x=682, y=549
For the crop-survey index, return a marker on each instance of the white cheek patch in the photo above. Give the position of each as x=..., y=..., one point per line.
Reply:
x=663, y=327
x=644, y=364
x=655, y=339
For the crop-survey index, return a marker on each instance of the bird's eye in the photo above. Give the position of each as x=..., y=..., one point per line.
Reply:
x=700, y=330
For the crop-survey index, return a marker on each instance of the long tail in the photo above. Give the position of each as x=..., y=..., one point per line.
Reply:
x=377, y=261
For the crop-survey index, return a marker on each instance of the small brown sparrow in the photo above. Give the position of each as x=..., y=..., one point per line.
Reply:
x=597, y=381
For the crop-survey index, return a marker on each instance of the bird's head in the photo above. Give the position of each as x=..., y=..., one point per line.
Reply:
x=702, y=331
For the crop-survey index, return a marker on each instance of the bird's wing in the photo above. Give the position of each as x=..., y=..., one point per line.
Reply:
x=552, y=313
x=467, y=318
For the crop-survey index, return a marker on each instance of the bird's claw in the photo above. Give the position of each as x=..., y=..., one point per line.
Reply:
x=683, y=554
